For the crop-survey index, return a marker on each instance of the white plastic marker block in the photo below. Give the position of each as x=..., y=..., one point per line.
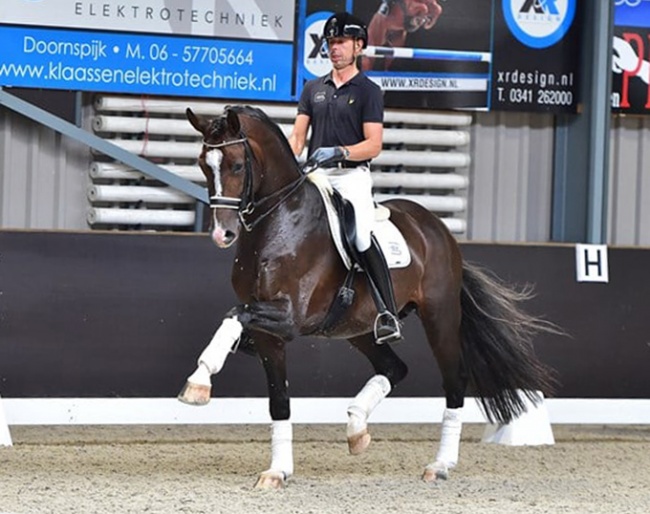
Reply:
x=531, y=428
x=5, y=435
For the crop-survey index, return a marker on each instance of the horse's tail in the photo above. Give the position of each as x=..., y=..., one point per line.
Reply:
x=497, y=345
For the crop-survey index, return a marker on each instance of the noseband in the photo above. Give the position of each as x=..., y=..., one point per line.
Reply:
x=246, y=205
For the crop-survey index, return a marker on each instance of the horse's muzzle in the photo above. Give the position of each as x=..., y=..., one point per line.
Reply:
x=223, y=238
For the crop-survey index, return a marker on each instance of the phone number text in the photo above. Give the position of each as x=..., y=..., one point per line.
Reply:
x=529, y=96
x=190, y=54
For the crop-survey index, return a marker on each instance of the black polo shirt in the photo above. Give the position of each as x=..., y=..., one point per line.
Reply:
x=337, y=115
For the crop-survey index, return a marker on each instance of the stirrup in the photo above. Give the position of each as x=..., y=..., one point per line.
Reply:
x=387, y=328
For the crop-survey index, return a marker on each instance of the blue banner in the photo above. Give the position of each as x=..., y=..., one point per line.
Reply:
x=145, y=64
x=632, y=13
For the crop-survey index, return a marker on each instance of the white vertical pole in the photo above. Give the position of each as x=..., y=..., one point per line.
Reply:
x=5, y=436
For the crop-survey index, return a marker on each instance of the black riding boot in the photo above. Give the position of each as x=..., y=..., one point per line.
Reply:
x=387, y=326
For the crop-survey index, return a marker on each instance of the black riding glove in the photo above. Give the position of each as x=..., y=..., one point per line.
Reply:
x=326, y=155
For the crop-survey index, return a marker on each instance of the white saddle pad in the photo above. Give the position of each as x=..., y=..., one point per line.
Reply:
x=390, y=239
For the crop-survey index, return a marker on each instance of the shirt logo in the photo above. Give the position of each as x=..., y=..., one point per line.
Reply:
x=319, y=97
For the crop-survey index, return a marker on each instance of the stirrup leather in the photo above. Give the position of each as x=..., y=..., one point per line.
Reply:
x=387, y=328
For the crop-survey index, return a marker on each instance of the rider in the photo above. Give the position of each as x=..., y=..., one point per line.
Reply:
x=346, y=110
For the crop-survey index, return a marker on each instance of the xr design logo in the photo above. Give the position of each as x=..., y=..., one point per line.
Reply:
x=315, y=60
x=539, y=23
x=540, y=7
x=319, y=47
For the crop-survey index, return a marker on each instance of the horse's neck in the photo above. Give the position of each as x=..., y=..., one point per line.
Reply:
x=299, y=215
x=278, y=176
x=278, y=167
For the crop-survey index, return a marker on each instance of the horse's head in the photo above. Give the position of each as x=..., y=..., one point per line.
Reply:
x=225, y=162
x=243, y=158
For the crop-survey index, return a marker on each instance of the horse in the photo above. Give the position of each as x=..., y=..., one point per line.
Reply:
x=394, y=20
x=287, y=272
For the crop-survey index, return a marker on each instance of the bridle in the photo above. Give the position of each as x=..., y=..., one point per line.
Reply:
x=247, y=205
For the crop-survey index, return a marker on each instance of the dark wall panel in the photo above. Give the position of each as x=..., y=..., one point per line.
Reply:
x=126, y=315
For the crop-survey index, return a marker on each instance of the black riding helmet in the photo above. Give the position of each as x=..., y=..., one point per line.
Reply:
x=343, y=24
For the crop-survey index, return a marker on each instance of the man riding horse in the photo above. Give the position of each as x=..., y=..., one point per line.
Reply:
x=345, y=110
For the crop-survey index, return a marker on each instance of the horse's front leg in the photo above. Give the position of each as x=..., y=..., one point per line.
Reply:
x=199, y=384
x=271, y=317
x=272, y=352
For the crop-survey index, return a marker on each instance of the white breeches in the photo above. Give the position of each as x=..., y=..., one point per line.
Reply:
x=355, y=185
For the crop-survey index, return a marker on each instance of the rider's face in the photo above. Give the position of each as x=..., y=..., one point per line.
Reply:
x=343, y=51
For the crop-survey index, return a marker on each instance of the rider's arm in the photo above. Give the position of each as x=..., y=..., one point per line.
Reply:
x=373, y=127
x=370, y=147
x=298, y=135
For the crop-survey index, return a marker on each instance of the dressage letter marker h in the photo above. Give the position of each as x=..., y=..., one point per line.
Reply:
x=591, y=263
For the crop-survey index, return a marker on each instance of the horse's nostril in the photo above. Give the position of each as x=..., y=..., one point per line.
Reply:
x=229, y=236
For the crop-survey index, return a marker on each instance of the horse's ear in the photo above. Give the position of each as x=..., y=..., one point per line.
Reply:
x=233, y=122
x=199, y=123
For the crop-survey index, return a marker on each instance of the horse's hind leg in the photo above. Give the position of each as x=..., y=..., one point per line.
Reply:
x=443, y=334
x=390, y=370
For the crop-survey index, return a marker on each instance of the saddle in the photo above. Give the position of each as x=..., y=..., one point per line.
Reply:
x=341, y=219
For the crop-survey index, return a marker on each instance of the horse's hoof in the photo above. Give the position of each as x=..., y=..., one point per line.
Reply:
x=358, y=443
x=434, y=472
x=195, y=394
x=271, y=480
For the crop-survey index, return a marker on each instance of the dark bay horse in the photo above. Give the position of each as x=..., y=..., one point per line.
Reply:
x=287, y=273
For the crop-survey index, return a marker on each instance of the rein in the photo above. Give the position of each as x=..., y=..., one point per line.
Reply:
x=246, y=205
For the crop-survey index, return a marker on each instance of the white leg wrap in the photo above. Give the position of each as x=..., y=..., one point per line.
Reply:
x=201, y=376
x=282, y=447
x=222, y=342
x=213, y=357
x=450, y=437
x=375, y=390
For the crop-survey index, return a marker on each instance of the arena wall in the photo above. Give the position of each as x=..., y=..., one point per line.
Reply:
x=119, y=315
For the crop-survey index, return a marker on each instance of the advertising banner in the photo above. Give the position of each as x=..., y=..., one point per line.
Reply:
x=240, y=19
x=441, y=54
x=631, y=57
x=151, y=47
x=422, y=59
x=536, y=56
x=474, y=54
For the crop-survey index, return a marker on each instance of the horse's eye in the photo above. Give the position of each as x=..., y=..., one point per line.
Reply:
x=237, y=167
